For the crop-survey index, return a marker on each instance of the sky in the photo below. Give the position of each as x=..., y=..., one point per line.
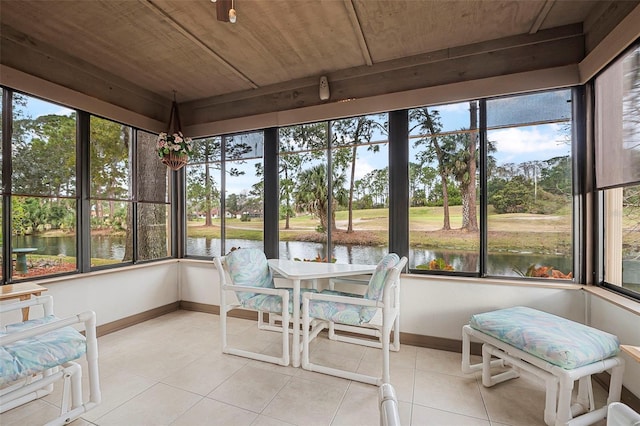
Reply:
x=514, y=144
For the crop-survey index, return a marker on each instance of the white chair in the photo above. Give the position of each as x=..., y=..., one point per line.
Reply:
x=377, y=310
x=36, y=353
x=388, y=402
x=619, y=414
x=252, y=284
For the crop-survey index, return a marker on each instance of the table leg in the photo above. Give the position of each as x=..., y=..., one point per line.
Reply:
x=25, y=311
x=295, y=348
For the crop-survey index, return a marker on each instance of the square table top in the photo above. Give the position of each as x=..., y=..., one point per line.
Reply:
x=299, y=270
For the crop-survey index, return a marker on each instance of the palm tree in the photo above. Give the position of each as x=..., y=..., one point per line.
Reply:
x=312, y=194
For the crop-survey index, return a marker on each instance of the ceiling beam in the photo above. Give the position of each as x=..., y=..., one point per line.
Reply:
x=517, y=59
x=212, y=53
x=355, y=23
x=542, y=15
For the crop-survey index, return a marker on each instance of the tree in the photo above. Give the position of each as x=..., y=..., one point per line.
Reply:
x=312, y=194
x=515, y=197
x=429, y=124
x=295, y=143
x=351, y=133
x=202, y=189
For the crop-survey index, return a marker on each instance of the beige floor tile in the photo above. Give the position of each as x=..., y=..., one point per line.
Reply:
x=116, y=390
x=358, y=408
x=405, y=410
x=440, y=361
x=159, y=405
x=516, y=404
x=269, y=421
x=206, y=373
x=307, y=403
x=405, y=357
x=250, y=388
x=425, y=416
x=34, y=413
x=449, y=393
x=208, y=412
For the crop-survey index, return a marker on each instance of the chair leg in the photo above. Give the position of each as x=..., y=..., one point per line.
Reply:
x=386, y=334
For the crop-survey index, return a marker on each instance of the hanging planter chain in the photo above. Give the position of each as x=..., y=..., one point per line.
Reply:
x=175, y=160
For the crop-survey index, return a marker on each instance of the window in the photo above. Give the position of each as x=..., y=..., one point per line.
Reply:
x=527, y=162
x=111, y=195
x=153, y=214
x=443, y=188
x=618, y=167
x=43, y=188
x=341, y=215
x=529, y=185
x=126, y=197
x=216, y=225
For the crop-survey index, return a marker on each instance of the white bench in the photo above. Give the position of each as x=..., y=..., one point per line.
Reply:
x=35, y=354
x=554, y=349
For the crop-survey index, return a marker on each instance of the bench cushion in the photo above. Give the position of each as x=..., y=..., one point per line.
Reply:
x=557, y=340
x=33, y=355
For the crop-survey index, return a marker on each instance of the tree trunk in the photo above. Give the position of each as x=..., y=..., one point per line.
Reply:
x=469, y=217
x=351, y=185
x=207, y=196
x=152, y=216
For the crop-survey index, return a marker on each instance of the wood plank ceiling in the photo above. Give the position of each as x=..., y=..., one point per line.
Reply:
x=135, y=53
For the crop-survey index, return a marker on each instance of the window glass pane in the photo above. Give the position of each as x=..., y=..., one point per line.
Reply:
x=203, y=198
x=622, y=237
x=44, y=148
x=617, y=122
x=152, y=175
x=43, y=238
x=43, y=204
x=303, y=191
x=360, y=159
x=110, y=241
x=529, y=187
x=244, y=191
x=443, y=184
x=110, y=148
x=153, y=231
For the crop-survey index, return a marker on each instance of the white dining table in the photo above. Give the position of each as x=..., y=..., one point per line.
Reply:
x=297, y=271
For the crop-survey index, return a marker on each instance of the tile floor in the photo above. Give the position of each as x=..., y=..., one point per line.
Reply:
x=170, y=371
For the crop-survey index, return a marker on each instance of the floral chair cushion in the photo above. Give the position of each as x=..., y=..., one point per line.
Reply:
x=35, y=354
x=249, y=267
x=269, y=302
x=343, y=313
x=346, y=313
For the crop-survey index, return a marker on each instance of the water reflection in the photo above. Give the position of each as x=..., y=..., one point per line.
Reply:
x=499, y=264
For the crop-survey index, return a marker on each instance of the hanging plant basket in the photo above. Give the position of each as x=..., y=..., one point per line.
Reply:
x=175, y=161
x=172, y=147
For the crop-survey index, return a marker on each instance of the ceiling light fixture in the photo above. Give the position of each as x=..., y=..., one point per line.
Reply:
x=232, y=13
x=226, y=10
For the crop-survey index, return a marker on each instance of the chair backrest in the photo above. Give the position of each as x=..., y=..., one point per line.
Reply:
x=376, y=283
x=249, y=267
x=379, y=280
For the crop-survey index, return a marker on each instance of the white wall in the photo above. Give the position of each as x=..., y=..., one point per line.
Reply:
x=113, y=294
x=623, y=323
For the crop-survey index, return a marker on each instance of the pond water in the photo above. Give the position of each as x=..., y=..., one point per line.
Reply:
x=502, y=264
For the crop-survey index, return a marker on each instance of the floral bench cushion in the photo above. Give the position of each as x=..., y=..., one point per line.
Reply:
x=557, y=340
x=33, y=355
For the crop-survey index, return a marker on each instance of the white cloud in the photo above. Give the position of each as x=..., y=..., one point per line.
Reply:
x=538, y=142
